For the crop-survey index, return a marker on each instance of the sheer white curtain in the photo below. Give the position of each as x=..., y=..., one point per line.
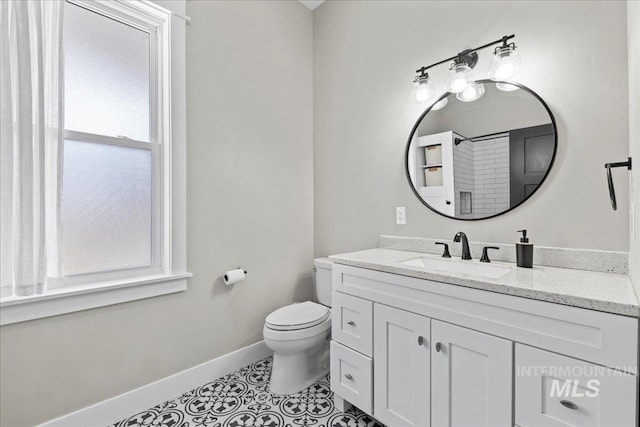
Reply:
x=31, y=132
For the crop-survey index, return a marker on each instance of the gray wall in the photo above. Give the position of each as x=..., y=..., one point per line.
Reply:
x=574, y=56
x=633, y=27
x=250, y=204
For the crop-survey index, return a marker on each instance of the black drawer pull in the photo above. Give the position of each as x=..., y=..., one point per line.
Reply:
x=569, y=404
x=348, y=376
x=351, y=323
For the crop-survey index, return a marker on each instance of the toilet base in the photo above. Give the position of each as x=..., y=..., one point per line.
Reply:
x=292, y=373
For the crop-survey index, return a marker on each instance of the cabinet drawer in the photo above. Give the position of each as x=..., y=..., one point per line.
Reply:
x=558, y=391
x=352, y=322
x=351, y=376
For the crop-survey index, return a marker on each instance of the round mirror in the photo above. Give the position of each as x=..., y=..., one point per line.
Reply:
x=482, y=152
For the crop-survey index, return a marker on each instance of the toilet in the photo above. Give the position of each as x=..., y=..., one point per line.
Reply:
x=299, y=334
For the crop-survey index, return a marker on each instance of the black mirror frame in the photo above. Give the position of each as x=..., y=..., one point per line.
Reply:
x=446, y=94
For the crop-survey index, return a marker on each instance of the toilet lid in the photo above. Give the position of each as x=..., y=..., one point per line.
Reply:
x=297, y=316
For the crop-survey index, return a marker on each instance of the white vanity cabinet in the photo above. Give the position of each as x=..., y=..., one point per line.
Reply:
x=450, y=356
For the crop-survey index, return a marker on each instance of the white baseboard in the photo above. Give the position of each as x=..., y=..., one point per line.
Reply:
x=119, y=407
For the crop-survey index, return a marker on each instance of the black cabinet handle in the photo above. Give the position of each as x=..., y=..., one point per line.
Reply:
x=420, y=340
x=485, y=255
x=612, y=190
x=569, y=404
x=446, y=253
x=438, y=347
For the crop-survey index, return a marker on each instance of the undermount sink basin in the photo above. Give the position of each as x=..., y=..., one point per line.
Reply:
x=470, y=267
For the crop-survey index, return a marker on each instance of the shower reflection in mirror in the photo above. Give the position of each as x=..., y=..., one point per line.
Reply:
x=478, y=160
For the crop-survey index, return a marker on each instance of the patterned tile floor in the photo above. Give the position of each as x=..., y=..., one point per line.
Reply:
x=243, y=399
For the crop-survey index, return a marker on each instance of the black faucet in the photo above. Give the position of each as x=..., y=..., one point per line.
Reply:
x=461, y=237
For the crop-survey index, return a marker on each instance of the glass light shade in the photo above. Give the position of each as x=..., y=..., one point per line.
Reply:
x=505, y=63
x=460, y=77
x=440, y=104
x=422, y=90
x=506, y=87
x=473, y=92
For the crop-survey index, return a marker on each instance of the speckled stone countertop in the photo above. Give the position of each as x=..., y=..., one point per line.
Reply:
x=608, y=292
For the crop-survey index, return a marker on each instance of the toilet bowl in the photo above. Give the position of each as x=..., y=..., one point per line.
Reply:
x=299, y=334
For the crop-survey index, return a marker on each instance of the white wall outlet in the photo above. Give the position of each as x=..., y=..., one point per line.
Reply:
x=401, y=215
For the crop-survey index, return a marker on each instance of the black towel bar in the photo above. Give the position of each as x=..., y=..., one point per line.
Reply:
x=612, y=191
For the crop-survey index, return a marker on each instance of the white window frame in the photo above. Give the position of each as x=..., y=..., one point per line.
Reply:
x=152, y=24
x=167, y=273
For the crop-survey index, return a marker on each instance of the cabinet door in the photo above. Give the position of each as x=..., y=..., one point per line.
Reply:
x=472, y=377
x=401, y=367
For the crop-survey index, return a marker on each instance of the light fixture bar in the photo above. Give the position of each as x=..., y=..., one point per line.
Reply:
x=502, y=40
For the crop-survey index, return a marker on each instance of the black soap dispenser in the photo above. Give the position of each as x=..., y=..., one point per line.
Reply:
x=524, y=251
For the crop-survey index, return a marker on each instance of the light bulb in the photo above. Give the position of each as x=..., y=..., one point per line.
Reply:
x=473, y=92
x=440, y=104
x=506, y=87
x=505, y=63
x=459, y=78
x=422, y=90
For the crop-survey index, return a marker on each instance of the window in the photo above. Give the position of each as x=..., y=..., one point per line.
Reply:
x=122, y=210
x=110, y=209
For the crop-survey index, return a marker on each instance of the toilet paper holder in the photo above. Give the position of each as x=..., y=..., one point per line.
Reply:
x=238, y=268
x=612, y=190
x=234, y=276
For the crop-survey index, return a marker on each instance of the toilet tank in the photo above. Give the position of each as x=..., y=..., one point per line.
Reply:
x=322, y=280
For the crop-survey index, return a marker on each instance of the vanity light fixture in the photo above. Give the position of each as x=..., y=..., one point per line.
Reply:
x=504, y=65
x=461, y=71
x=422, y=89
x=505, y=62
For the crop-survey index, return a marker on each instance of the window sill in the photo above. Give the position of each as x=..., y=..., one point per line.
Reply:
x=77, y=298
